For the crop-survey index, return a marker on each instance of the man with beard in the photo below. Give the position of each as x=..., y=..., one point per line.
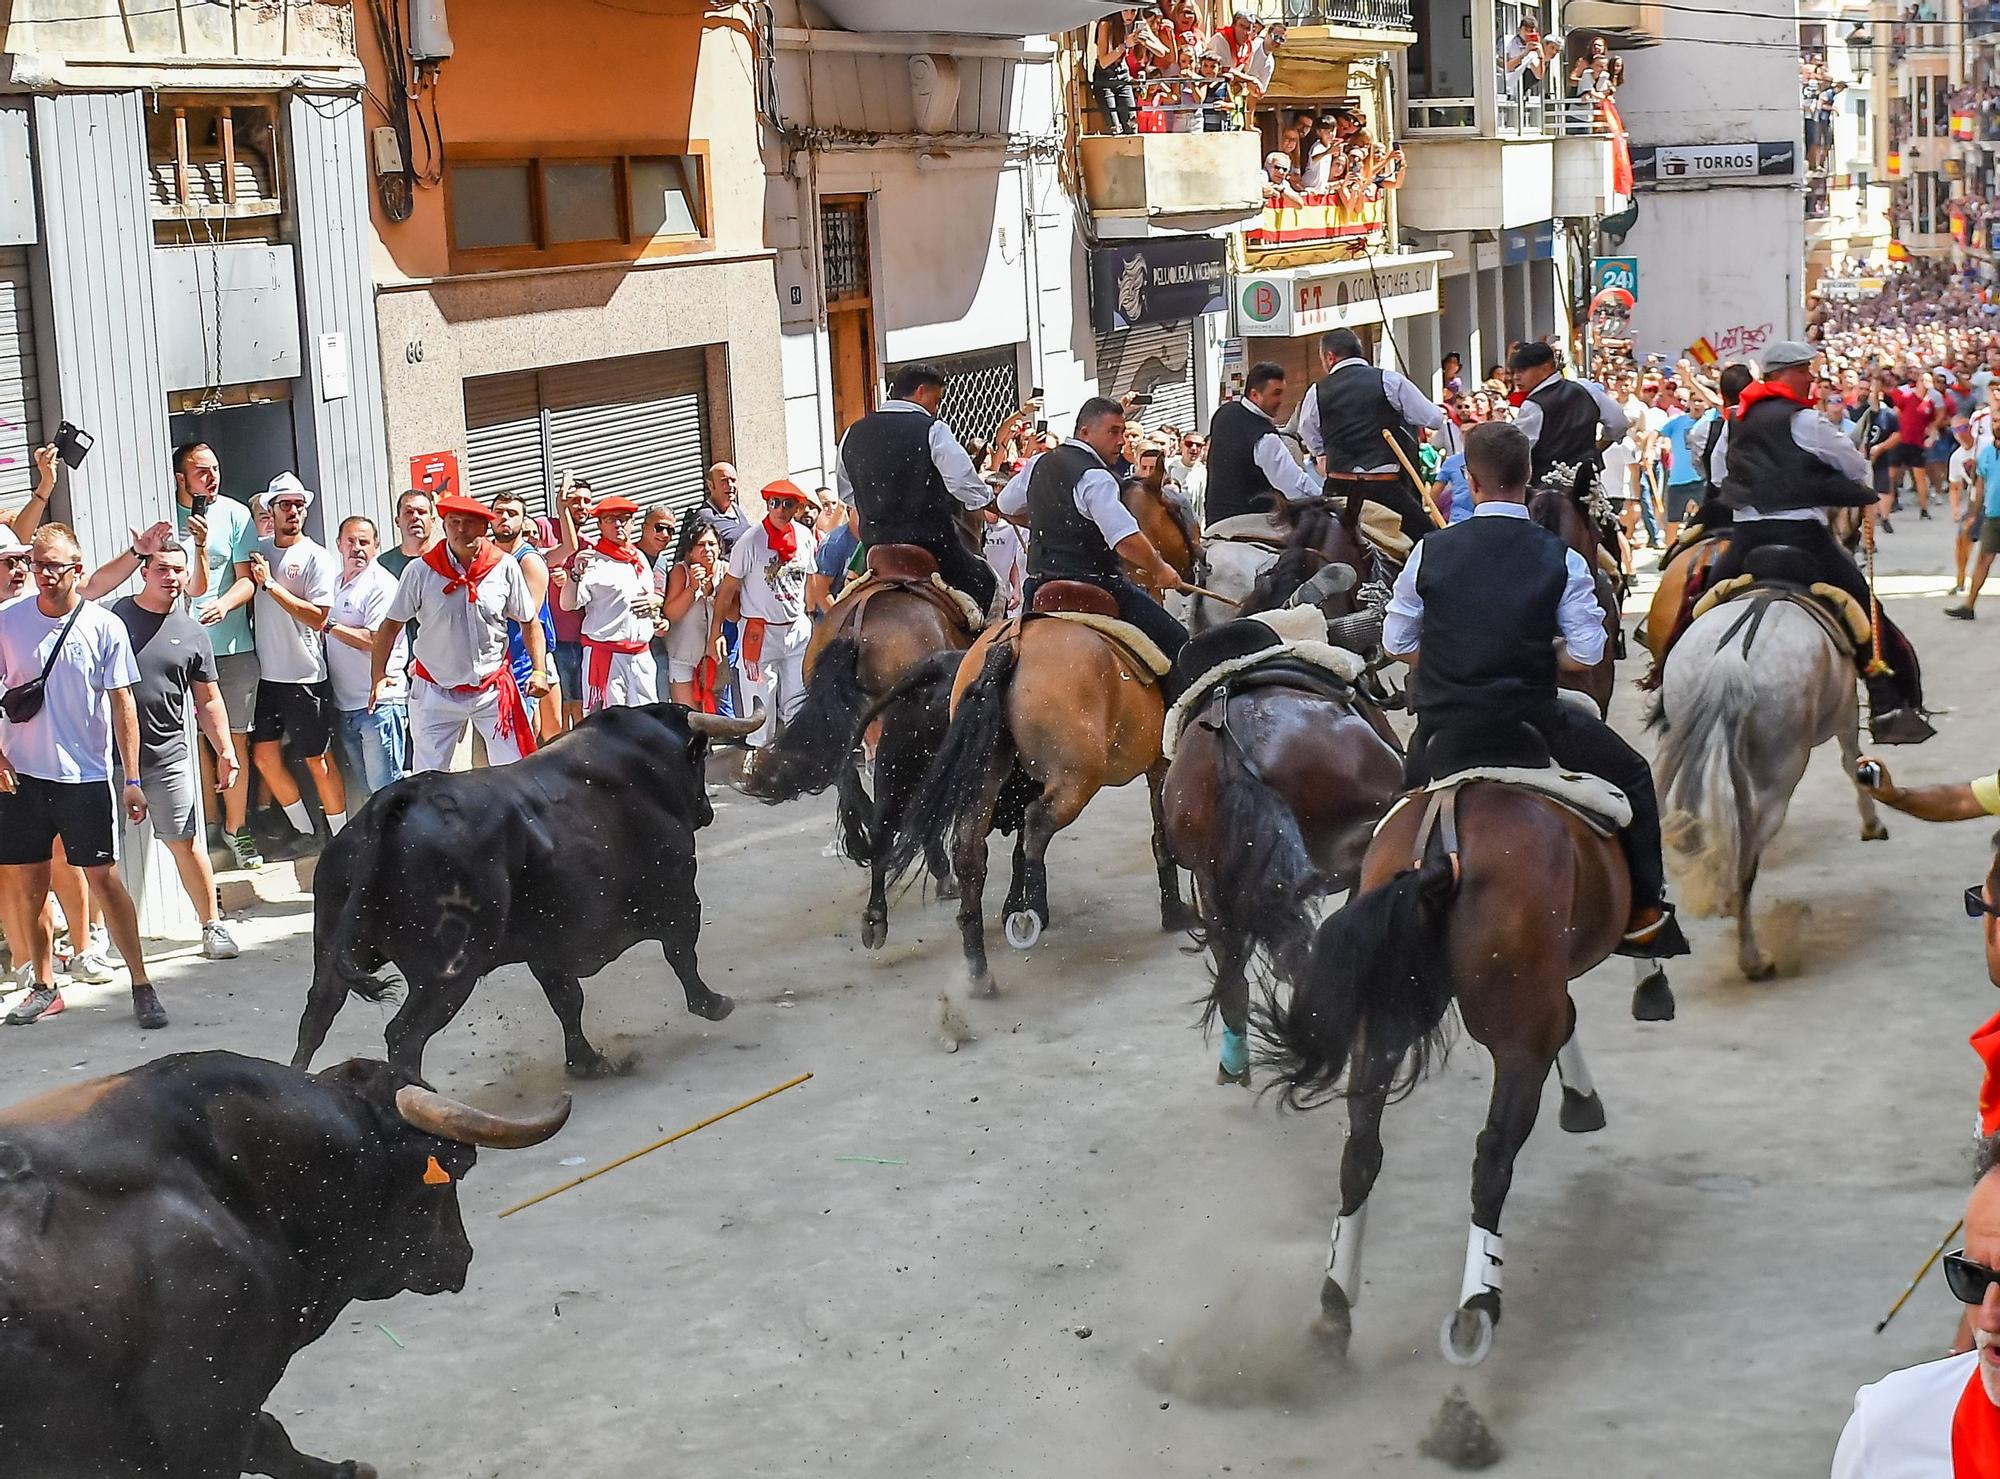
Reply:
x=510, y=536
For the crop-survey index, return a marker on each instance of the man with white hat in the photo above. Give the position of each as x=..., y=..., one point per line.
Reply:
x=1780, y=465
x=13, y=566
x=612, y=585
x=461, y=593
x=295, y=579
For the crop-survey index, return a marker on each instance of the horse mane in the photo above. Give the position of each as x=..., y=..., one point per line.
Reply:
x=1311, y=533
x=1545, y=507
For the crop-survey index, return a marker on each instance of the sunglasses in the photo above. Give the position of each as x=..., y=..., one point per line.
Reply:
x=791, y=503
x=1968, y=1281
x=1976, y=905
x=51, y=567
x=13, y=562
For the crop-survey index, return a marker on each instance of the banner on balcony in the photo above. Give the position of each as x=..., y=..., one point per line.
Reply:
x=1654, y=164
x=1161, y=281
x=1324, y=216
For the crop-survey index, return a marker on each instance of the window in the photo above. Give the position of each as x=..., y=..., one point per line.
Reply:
x=212, y=161
x=586, y=206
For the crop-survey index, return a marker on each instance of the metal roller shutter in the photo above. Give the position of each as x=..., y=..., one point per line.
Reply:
x=982, y=389
x=1152, y=359
x=21, y=428
x=503, y=440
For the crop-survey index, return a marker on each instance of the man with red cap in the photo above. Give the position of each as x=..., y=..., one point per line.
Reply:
x=612, y=585
x=461, y=593
x=766, y=584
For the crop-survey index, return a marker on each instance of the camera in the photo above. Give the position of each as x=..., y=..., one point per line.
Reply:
x=72, y=444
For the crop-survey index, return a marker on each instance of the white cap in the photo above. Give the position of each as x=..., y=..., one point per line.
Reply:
x=9, y=545
x=287, y=485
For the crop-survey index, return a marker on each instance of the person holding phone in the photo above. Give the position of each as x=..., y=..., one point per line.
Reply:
x=29, y=515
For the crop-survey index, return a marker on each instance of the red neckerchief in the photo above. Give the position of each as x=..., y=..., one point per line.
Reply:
x=1768, y=390
x=784, y=539
x=484, y=563
x=1986, y=1043
x=625, y=552
x=1516, y=398
x=1975, y=1432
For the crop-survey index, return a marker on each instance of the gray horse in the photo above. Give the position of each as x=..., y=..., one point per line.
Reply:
x=1750, y=690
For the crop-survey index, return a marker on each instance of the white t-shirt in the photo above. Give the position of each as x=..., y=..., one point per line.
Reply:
x=1960, y=472
x=1901, y=1426
x=609, y=592
x=460, y=642
x=1009, y=558
x=70, y=739
x=363, y=602
x=286, y=651
x=774, y=590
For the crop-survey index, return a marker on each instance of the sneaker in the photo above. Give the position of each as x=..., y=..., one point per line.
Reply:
x=100, y=942
x=146, y=1008
x=216, y=941
x=243, y=848
x=90, y=969
x=1923, y=515
x=1961, y=613
x=1887, y=527
x=43, y=1001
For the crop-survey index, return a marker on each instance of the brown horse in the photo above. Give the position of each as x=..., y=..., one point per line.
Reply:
x=1171, y=532
x=1060, y=704
x=1563, y=516
x=1686, y=564
x=1498, y=909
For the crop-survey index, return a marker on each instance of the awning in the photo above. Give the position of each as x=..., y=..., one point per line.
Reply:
x=966, y=17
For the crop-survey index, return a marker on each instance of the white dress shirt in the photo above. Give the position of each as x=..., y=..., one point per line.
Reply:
x=1411, y=404
x=1578, y=616
x=1276, y=463
x=1610, y=415
x=947, y=456
x=1813, y=433
x=1096, y=497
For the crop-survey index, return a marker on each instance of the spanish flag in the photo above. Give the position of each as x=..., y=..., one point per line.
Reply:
x=1703, y=352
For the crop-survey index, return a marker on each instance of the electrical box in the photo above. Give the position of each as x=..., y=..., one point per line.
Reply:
x=430, y=37
x=387, y=149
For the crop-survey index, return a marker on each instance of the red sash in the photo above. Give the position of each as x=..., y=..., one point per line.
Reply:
x=597, y=674
x=513, y=723
x=483, y=564
x=1975, y=1433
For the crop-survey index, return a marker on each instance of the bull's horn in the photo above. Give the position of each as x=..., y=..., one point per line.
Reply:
x=442, y=1116
x=716, y=726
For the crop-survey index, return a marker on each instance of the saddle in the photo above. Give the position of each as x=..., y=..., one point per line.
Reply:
x=1777, y=573
x=1087, y=605
x=1272, y=649
x=1593, y=800
x=897, y=567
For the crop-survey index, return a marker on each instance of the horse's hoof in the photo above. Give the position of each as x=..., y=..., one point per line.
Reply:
x=712, y=1007
x=1653, y=999
x=355, y=1469
x=1224, y=1076
x=1466, y=1337
x=1580, y=1114
x=1024, y=928
x=984, y=986
x=1334, y=1328
x=1763, y=968
x=874, y=933
x=595, y=1066
x=1875, y=833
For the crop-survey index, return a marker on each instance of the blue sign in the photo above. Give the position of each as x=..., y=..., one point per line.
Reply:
x=1536, y=243
x=1614, y=272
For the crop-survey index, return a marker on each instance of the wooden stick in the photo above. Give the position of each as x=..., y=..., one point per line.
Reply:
x=1416, y=478
x=1875, y=663
x=1196, y=590
x=656, y=1145
x=1936, y=1254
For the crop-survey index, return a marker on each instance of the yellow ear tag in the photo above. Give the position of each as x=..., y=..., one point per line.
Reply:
x=434, y=1174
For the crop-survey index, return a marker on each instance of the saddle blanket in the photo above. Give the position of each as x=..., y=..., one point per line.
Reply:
x=1844, y=618
x=867, y=582
x=1123, y=633
x=1336, y=662
x=1591, y=797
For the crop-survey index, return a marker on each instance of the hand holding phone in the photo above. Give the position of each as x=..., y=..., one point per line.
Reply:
x=72, y=444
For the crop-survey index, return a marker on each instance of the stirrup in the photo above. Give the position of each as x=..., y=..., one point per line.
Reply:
x=1660, y=940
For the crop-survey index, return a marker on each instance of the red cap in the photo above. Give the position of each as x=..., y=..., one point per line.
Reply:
x=785, y=488
x=458, y=503
x=613, y=505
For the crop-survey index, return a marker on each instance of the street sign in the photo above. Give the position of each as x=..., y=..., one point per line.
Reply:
x=1614, y=272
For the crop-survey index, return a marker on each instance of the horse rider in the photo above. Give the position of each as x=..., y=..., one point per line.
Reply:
x=1781, y=465
x=1078, y=529
x=1247, y=456
x=1715, y=513
x=1343, y=421
x=1565, y=421
x=1488, y=611
x=906, y=475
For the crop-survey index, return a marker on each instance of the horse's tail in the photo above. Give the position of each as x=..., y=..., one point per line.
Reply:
x=953, y=782
x=812, y=748
x=1265, y=878
x=1379, y=973
x=1704, y=793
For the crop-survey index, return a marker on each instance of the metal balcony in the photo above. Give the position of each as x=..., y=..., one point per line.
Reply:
x=1136, y=183
x=1366, y=15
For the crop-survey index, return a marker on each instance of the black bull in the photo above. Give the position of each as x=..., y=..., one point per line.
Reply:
x=561, y=861
x=172, y=1236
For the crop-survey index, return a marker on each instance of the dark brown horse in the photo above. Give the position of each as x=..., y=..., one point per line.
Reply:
x=1531, y=899
x=1685, y=565
x=1562, y=515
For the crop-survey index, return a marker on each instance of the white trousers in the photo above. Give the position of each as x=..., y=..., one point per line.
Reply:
x=634, y=681
x=779, y=681
x=437, y=725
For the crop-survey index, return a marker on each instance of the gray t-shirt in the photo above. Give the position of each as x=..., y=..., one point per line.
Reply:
x=174, y=654
x=286, y=651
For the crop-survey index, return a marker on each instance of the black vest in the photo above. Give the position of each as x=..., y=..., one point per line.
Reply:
x=1491, y=588
x=1236, y=484
x=1063, y=542
x=897, y=488
x=1569, y=429
x=1769, y=472
x=1354, y=411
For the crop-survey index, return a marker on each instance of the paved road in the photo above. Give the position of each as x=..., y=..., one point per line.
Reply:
x=889, y=1271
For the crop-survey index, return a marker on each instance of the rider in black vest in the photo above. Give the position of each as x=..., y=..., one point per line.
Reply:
x=1480, y=610
x=1566, y=421
x=908, y=478
x=1780, y=464
x=1249, y=465
x=1078, y=530
x=1343, y=421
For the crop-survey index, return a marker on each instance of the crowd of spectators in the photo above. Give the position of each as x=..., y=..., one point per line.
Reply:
x=1819, y=97
x=1181, y=66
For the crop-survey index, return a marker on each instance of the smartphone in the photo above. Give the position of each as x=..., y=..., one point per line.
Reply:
x=200, y=508
x=73, y=444
x=1869, y=772
x=1041, y=428
x=1035, y=394
x=1141, y=400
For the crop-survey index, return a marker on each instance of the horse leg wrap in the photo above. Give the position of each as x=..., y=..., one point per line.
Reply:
x=1571, y=1067
x=1235, y=1051
x=1343, y=1256
x=1482, y=1265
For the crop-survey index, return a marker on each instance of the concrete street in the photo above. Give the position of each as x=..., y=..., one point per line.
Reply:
x=1065, y=1250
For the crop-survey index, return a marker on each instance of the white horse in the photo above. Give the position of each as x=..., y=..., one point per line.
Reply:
x=1750, y=690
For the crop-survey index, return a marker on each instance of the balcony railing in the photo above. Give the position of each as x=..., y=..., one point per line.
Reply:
x=1374, y=15
x=1535, y=115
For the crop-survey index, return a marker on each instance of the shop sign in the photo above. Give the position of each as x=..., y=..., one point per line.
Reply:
x=1656, y=164
x=435, y=473
x=1614, y=272
x=1284, y=305
x=1163, y=281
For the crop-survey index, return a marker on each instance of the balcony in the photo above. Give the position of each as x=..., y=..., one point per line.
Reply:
x=1466, y=182
x=1138, y=183
x=1016, y=19
x=1354, y=15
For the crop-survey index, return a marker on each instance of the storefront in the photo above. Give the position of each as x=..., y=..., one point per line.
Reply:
x=1281, y=314
x=1148, y=304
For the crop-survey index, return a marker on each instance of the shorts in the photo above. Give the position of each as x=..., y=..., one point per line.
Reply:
x=1974, y=520
x=1906, y=455
x=173, y=800
x=569, y=670
x=299, y=713
x=83, y=813
x=236, y=676
x=681, y=672
x=1989, y=537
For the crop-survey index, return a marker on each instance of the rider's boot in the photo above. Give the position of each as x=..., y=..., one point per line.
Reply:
x=1891, y=720
x=1653, y=932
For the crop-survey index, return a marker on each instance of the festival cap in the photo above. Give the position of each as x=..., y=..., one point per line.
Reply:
x=286, y=488
x=10, y=544
x=458, y=503
x=615, y=504
x=785, y=488
x=1788, y=354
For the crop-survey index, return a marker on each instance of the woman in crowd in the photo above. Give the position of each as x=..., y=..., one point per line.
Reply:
x=693, y=662
x=1111, y=74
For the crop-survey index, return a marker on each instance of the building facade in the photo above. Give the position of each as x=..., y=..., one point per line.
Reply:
x=1847, y=195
